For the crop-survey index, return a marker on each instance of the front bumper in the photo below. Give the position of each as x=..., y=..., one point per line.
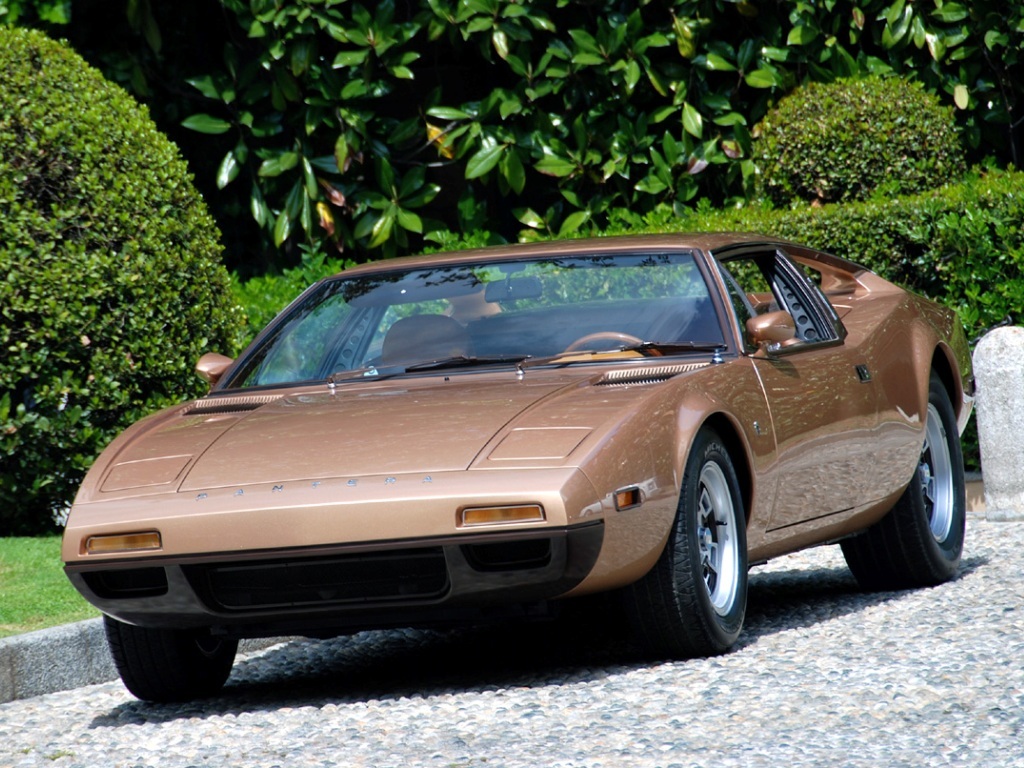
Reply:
x=326, y=591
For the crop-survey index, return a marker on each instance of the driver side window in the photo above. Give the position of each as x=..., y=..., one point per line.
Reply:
x=768, y=282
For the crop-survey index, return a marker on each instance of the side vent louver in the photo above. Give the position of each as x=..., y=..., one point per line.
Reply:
x=649, y=375
x=228, y=404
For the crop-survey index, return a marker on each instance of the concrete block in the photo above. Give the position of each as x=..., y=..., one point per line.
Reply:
x=999, y=373
x=55, y=659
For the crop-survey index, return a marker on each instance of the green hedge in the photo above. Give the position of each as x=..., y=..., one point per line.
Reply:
x=112, y=285
x=847, y=140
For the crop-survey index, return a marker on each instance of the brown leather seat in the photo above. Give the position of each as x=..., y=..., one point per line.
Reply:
x=422, y=338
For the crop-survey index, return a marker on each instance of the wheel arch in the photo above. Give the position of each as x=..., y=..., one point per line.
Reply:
x=944, y=367
x=726, y=429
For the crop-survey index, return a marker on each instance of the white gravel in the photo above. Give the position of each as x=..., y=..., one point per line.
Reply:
x=823, y=676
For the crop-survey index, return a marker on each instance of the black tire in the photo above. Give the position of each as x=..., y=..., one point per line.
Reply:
x=693, y=601
x=165, y=665
x=919, y=542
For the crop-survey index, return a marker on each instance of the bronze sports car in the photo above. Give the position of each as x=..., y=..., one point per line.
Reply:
x=475, y=436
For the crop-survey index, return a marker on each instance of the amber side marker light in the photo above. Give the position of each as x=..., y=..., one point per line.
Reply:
x=521, y=513
x=627, y=498
x=123, y=542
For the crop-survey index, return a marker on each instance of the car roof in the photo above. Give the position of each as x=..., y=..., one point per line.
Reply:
x=702, y=241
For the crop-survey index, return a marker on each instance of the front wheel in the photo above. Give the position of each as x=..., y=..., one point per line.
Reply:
x=919, y=543
x=165, y=665
x=693, y=601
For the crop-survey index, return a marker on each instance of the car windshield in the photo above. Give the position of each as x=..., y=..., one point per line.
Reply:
x=468, y=315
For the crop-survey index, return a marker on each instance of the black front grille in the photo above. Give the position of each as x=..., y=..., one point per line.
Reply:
x=509, y=555
x=377, y=577
x=127, y=582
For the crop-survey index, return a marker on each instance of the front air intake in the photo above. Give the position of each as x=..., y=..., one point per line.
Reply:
x=646, y=375
x=233, y=404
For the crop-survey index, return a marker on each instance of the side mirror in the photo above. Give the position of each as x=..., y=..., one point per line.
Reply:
x=772, y=331
x=211, y=367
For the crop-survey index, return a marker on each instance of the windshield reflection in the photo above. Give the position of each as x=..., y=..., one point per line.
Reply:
x=460, y=317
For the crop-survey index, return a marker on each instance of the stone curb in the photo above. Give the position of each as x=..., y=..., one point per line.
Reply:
x=66, y=657
x=56, y=659
x=75, y=655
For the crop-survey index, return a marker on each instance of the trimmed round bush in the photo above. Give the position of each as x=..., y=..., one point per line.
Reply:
x=112, y=286
x=847, y=140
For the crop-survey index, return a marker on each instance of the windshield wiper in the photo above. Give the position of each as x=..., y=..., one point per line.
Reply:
x=464, y=361
x=657, y=348
x=647, y=348
x=377, y=373
x=368, y=373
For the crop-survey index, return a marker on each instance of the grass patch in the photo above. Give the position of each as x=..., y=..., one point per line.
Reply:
x=34, y=592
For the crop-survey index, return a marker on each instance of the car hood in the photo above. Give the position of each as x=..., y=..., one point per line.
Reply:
x=425, y=425
x=386, y=430
x=390, y=427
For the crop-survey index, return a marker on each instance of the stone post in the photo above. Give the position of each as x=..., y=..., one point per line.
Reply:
x=999, y=373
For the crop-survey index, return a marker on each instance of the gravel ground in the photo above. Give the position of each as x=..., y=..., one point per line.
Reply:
x=823, y=675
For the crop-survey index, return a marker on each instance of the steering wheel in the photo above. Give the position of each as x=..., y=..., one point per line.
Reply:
x=582, y=342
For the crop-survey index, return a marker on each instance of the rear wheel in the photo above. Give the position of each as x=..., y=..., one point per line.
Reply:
x=692, y=603
x=165, y=665
x=920, y=541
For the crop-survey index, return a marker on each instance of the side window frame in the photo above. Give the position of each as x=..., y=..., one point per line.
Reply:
x=824, y=316
x=742, y=309
x=817, y=322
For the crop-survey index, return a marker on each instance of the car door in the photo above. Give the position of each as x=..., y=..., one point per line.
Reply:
x=820, y=394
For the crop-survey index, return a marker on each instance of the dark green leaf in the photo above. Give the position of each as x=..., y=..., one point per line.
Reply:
x=761, y=78
x=529, y=217
x=350, y=58
x=204, y=123
x=484, y=160
x=448, y=113
x=717, y=63
x=205, y=86
x=573, y=222
x=410, y=221
x=382, y=228
x=310, y=180
x=282, y=228
x=801, y=35
x=275, y=166
x=552, y=165
x=513, y=171
x=950, y=13
x=228, y=170
x=693, y=123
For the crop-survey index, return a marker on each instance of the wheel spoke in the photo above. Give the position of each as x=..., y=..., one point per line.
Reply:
x=711, y=567
x=717, y=544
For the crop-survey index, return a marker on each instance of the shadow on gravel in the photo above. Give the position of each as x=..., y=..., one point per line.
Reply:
x=795, y=599
x=588, y=643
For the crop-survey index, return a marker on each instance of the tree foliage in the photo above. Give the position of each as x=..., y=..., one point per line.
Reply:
x=368, y=126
